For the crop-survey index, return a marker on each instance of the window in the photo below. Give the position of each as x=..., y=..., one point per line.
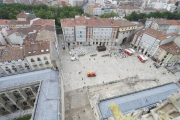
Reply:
x=28, y=92
x=17, y=95
x=32, y=60
x=29, y=52
x=45, y=58
x=24, y=103
x=46, y=62
x=38, y=59
x=34, y=51
x=47, y=49
x=9, y=61
x=80, y=35
x=42, y=50
x=5, y=97
x=14, y=107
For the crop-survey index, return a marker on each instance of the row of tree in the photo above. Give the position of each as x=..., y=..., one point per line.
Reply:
x=9, y=11
x=108, y=15
x=168, y=15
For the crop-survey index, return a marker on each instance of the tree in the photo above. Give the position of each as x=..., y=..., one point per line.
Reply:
x=12, y=16
x=87, y=14
x=66, y=14
x=72, y=14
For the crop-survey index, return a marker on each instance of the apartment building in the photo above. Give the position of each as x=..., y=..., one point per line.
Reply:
x=95, y=9
x=148, y=23
x=146, y=40
x=4, y=23
x=126, y=31
x=168, y=53
x=96, y=31
x=148, y=10
x=160, y=24
x=173, y=27
x=127, y=10
x=77, y=2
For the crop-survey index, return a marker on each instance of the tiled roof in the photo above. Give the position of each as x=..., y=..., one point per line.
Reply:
x=167, y=36
x=95, y=5
x=15, y=22
x=90, y=22
x=4, y=21
x=37, y=48
x=127, y=7
x=149, y=8
x=9, y=1
x=161, y=21
x=161, y=10
x=174, y=22
x=154, y=33
x=171, y=48
x=24, y=31
x=124, y=23
x=107, y=2
x=22, y=15
x=43, y=22
x=11, y=53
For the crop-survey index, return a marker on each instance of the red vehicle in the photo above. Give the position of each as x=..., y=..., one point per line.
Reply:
x=141, y=58
x=91, y=74
x=128, y=52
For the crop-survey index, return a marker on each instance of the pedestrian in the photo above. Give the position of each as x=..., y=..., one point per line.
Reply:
x=84, y=111
x=103, y=81
x=82, y=78
x=84, y=83
x=150, y=66
x=94, y=58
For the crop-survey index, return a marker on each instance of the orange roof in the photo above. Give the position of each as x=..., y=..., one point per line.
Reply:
x=171, y=47
x=167, y=36
x=43, y=22
x=127, y=7
x=174, y=22
x=4, y=21
x=82, y=20
x=22, y=15
x=153, y=33
x=95, y=5
x=9, y=1
x=13, y=52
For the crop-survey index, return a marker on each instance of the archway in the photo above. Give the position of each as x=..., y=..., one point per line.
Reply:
x=124, y=40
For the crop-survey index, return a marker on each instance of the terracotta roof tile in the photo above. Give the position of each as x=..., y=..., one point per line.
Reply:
x=171, y=48
x=167, y=36
x=153, y=33
x=22, y=15
x=9, y=1
x=124, y=23
x=162, y=21
x=4, y=21
x=127, y=7
x=95, y=5
x=13, y=52
x=174, y=22
x=43, y=22
x=37, y=48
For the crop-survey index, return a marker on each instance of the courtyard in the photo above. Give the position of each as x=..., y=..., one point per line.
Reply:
x=108, y=69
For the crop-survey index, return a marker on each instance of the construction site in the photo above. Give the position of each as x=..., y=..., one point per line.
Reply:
x=94, y=80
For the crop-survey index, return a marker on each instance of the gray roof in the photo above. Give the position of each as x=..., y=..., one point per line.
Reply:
x=142, y=99
x=47, y=102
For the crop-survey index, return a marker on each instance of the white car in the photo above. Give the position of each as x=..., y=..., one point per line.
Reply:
x=73, y=59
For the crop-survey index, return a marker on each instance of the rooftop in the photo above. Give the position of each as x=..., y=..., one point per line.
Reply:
x=4, y=21
x=43, y=22
x=127, y=7
x=22, y=15
x=95, y=5
x=161, y=21
x=167, y=36
x=47, y=102
x=14, y=52
x=9, y=1
x=131, y=102
x=90, y=22
x=172, y=48
x=153, y=33
x=174, y=22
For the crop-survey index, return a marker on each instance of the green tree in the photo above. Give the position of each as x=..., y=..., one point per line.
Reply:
x=12, y=16
x=66, y=14
x=87, y=14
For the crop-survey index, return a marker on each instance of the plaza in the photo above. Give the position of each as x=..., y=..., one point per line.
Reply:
x=108, y=69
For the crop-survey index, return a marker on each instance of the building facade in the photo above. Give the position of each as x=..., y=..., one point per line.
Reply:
x=96, y=31
x=160, y=24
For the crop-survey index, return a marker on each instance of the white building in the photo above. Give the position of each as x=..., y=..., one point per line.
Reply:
x=160, y=24
x=96, y=31
x=173, y=27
